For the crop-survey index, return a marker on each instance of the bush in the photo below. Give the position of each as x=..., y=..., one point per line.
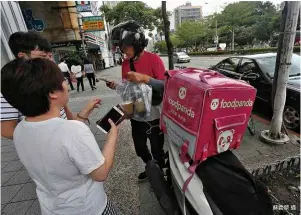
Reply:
x=238, y=52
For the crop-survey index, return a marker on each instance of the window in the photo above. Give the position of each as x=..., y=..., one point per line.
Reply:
x=229, y=64
x=246, y=66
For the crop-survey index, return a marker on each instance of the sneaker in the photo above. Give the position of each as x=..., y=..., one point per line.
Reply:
x=142, y=177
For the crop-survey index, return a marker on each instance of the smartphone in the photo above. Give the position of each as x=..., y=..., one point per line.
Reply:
x=115, y=114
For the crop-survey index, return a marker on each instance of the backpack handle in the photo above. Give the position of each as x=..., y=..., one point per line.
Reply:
x=209, y=75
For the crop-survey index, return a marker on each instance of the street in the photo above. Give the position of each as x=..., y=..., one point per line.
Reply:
x=198, y=61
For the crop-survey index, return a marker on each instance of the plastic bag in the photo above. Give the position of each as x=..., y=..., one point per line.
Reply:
x=136, y=99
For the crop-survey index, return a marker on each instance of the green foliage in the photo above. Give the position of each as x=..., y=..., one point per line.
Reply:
x=139, y=11
x=161, y=47
x=75, y=56
x=251, y=22
x=193, y=34
x=176, y=41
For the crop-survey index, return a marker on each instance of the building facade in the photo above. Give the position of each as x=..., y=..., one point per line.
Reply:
x=11, y=21
x=187, y=12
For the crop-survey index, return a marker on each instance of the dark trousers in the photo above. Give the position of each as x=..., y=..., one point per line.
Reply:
x=67, y=75
x=80, y=81
x=91, y=78
x=140, y=133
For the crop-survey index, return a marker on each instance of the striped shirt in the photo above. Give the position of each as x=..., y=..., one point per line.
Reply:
x=8, y=112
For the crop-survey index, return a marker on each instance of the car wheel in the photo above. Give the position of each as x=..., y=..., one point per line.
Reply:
x=291, y=117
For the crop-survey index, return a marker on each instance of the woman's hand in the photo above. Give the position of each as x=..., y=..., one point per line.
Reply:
x=137, y=77
x=93, y=103
x=112, y=135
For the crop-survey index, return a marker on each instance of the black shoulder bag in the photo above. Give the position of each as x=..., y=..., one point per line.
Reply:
x=157, y=97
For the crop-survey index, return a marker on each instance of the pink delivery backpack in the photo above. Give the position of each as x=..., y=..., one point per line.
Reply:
x=205, y=113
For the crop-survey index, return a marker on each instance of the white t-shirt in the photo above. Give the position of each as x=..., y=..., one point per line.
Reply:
x=58, y=155
x=77, y=70
x=8, y=112
x=63, y=66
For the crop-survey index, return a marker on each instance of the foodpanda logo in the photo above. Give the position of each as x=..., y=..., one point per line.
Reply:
x=182, y=93
x=179, y=107
x=230, y=104
x=214, y=104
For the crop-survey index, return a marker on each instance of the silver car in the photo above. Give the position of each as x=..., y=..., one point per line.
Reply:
x=181, y=57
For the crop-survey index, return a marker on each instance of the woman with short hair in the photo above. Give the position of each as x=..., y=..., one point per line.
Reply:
x=90, y=73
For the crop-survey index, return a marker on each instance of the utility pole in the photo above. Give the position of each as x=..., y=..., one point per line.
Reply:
x=167, y=37
x=290, y=13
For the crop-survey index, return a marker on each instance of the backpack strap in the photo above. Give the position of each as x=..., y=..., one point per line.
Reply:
x=191, y=170
x=132, y=67
x=185, y=158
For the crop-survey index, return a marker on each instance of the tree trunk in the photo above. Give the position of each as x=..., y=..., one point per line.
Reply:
x=167, y=38
x=290, y=13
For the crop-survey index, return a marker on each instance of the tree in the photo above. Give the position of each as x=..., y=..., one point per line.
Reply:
x=290, y=15
x=267, y=21
x=176, y=41
x=131, y=10
x=161, y=46
x=159, y=22
x=167, y=38
x=259, y=20
x=192, y=34
x=243, y=35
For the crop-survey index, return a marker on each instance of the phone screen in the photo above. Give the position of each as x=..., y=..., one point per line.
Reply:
x=115, y=114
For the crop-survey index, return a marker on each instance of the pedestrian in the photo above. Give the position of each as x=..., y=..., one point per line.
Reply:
x=90, y=73
x=28, y=45
x=61, y=156
x=76, y=69
x=132, y=42
x=66, y=72
x=104, y=63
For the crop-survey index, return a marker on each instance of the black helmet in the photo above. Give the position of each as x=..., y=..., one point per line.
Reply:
x=129, y=33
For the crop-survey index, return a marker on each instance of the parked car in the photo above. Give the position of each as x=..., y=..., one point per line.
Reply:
x=181, y=57
x=259, y=71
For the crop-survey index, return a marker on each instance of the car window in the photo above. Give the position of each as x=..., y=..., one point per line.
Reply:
x=247, y=65
x=229, y=64
x=267, y=65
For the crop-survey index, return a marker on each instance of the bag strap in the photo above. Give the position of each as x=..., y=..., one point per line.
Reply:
x=184, y=158
x=132, y=67
x=191, y=170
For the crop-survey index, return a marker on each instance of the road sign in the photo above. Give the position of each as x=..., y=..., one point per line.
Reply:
x=93, y=23
x=83, y=6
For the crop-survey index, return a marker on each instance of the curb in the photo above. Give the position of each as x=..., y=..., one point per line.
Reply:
x=277, y=166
